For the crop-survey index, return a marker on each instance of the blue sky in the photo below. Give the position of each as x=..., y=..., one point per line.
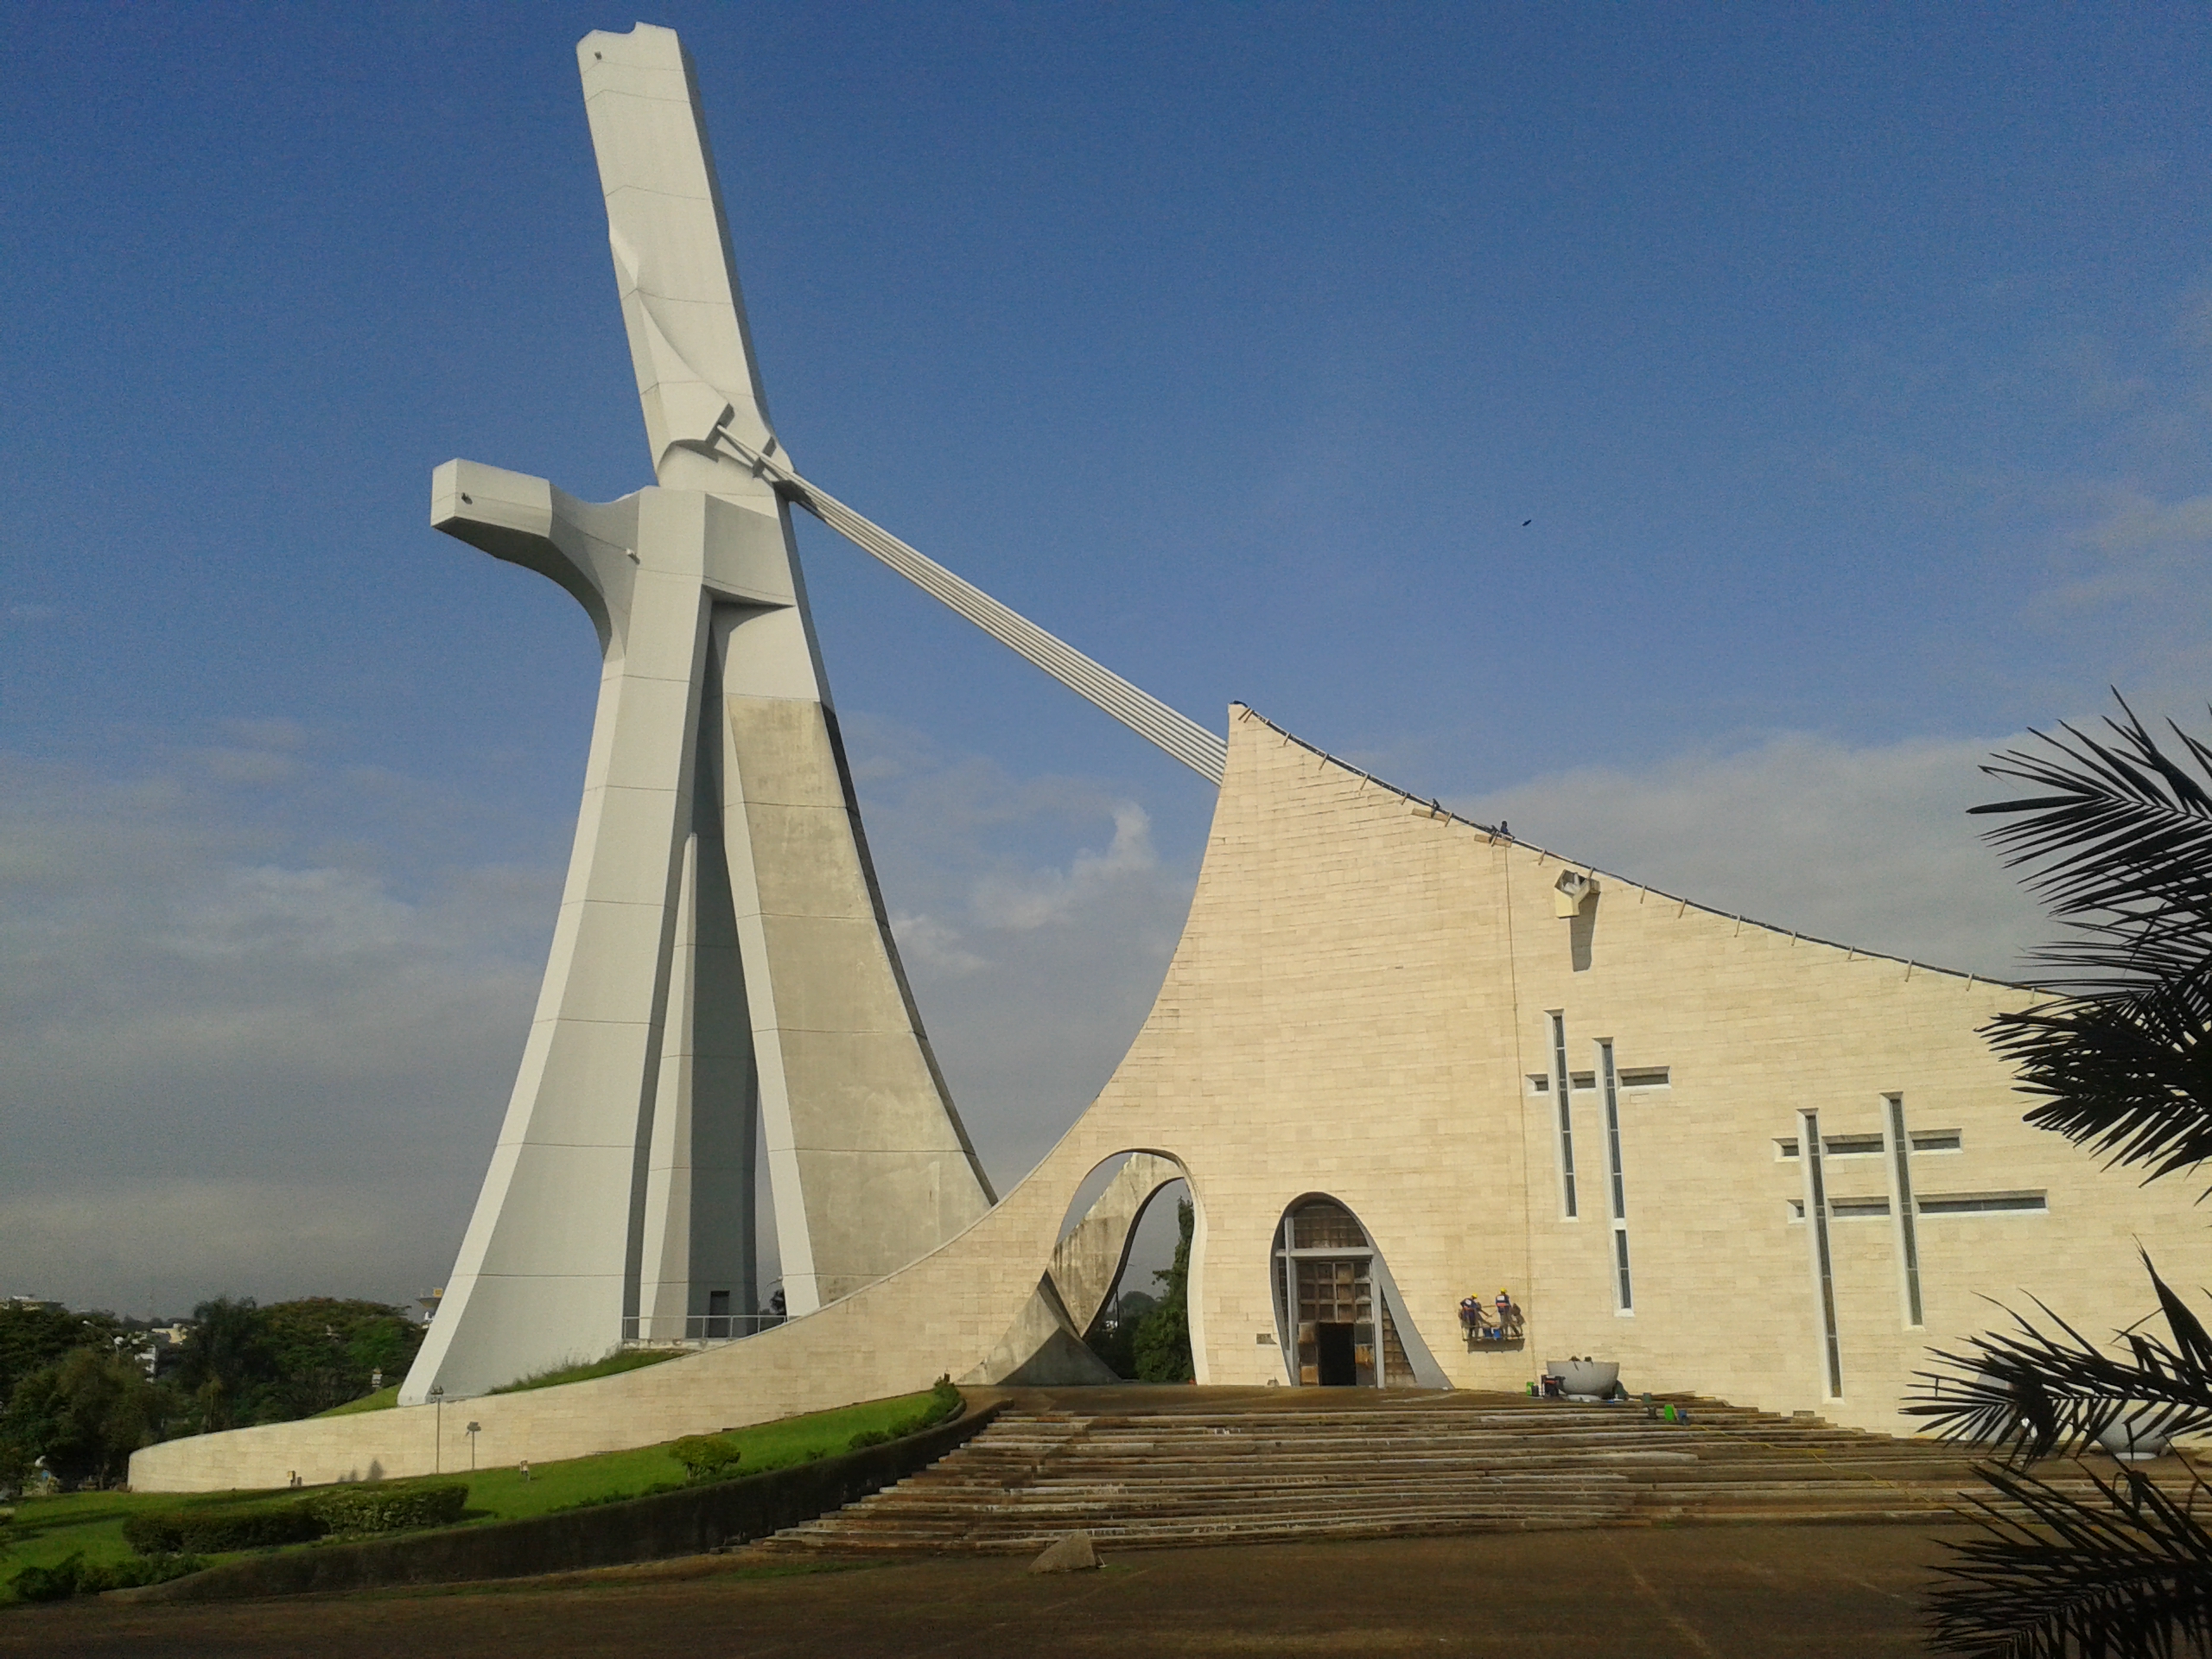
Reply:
x=1853, y=364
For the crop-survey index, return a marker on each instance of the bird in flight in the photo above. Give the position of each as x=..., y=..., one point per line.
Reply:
x=1525, y=523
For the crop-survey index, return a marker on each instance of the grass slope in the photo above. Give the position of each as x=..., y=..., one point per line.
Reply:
x=632, y=1359
x=383, y=1400
x=49, y=1529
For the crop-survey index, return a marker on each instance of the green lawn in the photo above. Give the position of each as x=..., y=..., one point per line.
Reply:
x=48, y=1529
x=507, y=1496
x=628, y=1359
x=383, y=1400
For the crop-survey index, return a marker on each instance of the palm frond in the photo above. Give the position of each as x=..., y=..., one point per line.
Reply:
x=2054, y=1575
x=2126, y=1076
x=2118, y=840
x=2034, y=1392
x=2122, y=835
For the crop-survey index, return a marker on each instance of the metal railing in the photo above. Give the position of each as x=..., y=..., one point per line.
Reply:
x=694, y=1330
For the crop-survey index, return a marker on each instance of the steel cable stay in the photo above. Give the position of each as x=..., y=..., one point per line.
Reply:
x=1136, y=708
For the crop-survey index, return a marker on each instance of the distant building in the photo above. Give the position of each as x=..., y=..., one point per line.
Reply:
x=158, y=1346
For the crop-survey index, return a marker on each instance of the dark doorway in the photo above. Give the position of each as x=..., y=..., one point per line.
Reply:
x=1334, y=1360
x=1335, y=1304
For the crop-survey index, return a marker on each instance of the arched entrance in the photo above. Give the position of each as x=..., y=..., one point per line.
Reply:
x=1338, y=1313
x=1102, y=1225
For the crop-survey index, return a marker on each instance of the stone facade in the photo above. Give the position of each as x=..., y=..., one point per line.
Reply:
x=1362, y=1006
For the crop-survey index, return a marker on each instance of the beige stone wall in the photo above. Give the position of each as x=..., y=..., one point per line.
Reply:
x=1359, y=998
x=1378, y=994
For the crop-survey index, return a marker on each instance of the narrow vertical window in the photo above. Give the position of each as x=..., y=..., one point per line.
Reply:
x=1566, y=1118
x=1816, y=1212
x=1907, y=1238
x=1627, y=1300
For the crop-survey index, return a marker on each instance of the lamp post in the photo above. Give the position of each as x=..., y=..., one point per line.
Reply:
x=438, y=1428
x=474, y=1430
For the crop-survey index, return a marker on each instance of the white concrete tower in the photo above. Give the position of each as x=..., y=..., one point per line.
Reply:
x=721, y=964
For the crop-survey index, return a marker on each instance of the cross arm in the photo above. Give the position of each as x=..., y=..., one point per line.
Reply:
x=582, y=545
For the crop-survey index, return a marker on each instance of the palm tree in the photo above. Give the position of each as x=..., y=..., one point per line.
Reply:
x=2117, y=840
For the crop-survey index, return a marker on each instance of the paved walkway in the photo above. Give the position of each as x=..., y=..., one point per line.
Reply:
x=1693, y=1592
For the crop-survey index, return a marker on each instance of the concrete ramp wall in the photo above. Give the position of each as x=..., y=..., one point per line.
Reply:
x=951, y=1312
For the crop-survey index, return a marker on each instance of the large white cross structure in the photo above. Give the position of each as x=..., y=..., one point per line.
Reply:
x=722, y=972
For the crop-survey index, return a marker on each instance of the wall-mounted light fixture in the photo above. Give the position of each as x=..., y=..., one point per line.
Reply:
x=1572, y=893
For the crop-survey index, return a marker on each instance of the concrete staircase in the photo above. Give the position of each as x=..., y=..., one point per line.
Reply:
x=1157, y=1467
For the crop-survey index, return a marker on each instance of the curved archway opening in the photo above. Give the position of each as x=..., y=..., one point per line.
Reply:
x=1111, y=1268
x=1339, y=1319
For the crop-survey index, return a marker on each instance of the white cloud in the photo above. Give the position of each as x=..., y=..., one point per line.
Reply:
x=1034, y=950
x=272, y=913
x=926, y=940
x=272, y=732
x=159, y=1246
x=1866, y=845
x=1019, y=902
x=2127, y=591
x=210, y=1007
x=248, y=766
x=2137, y=522
x=258, y=1040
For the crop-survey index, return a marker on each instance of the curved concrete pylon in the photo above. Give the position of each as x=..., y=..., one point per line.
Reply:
x=723, y=966
x=722, y=970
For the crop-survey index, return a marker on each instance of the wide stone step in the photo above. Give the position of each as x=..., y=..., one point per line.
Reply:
x=1182, y=1538
x=1101, y=1444
x=974, y=1514
x=1442, y=1463
x=1290, y=1475
x=1146, y=1534
x=1492, y=1446
x=1355, y=1474
x=1080, y=1511
x=1138, y=1530
x=1485, y=1494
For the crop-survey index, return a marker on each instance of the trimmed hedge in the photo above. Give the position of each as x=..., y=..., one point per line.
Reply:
x=705, y=1457
x=213, y=1531
x=685, y=1521
x=945, y=1401
x=352, y=1510
x=366, y=1508
x=74, y=1576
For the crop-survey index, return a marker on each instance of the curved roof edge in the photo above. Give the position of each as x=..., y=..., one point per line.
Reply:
x=1245, y=711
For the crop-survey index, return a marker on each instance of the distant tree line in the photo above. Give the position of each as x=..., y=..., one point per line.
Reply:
x=1150, y=1341
x=74, y=1391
